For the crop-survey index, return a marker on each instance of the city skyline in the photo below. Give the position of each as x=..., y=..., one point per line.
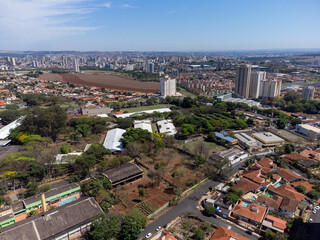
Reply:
x=142, y=25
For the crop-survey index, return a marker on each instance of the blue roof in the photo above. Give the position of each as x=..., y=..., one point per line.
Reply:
x=227, y=138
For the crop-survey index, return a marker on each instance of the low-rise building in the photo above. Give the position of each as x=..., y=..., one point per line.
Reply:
x=217, y=200
x=143, y=124
x=223, y=233
x=124, y=174
x=268, y=139
x=247, y=141
x=251, y=213
x=113, y=140
x=234, y=155
x=224, y=136
x=274, y=223
x=308, y=130
x=167, y=127
x=71, y=220
x=92, y=110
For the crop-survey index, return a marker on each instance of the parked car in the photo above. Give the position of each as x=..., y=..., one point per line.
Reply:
x=310, y=220
x=158, y=228
x=314, y=211
x=317, y=208
x=148, y=235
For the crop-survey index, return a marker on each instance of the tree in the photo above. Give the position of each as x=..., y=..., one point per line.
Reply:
x=2, y=200
x=281, y=123
x=199, y=160
x=301, y=189
x=314, y=194
x=12, y=106
x=142, y=192
x=124, y=122
x=240, y=124
x=91, y=188
x=65, y=148
x=210, y=210
x=187, y=129
x=137, y=135
x=84, y=129
x=211, y=137
x=9, y=116
x=270, y=235
x=232, y=198
x=131, y=228
x=289, y=148
x=198, y=234
x=105, y=227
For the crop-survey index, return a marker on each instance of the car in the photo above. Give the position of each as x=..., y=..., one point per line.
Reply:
x=314, y=211
x=310, y=220
x=317, y=207
x=148, y=235
x=248, y=232
x=158, y=228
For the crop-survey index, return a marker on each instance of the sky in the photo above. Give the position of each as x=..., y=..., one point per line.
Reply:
x=158, y=25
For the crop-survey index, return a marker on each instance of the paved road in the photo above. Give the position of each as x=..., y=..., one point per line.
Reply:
x=314, y=232
x=189, y=204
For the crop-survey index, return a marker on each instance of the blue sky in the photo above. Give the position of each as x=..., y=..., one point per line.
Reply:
x=159, y=25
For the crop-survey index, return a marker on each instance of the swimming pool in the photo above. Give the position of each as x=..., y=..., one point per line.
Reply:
x=253, y=198
x=244, y=204
x=277, y=185
x=67, y=201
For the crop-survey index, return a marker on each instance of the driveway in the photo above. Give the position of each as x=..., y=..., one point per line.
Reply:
x=189, y=204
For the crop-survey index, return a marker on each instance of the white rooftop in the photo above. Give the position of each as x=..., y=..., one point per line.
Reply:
x=160, y=110
x=113, y=140
x=166, y=126
x=143, y=124
x=245, y=138
x=267, y=137
x=5, y=131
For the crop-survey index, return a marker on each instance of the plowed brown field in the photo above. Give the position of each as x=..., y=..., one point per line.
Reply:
x=103, y=80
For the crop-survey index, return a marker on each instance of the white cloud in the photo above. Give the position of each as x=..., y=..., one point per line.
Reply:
x=107, y=5
x=43, y=19
x=128, y=6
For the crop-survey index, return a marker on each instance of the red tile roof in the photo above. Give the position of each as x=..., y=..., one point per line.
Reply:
x=306, y=184
x=277, y=222
x=247, y=185
x=287, y=191
x=287, y=174
x=223, y=233
x=252, y=211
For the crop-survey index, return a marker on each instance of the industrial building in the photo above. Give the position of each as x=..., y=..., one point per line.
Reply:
x=247, y=141
x=268, y=139
x=69, y=221
x=113, y=140
x=124, y=174
x=308, y=130
x=125, y=115
x=143, y=124
x=167, y=127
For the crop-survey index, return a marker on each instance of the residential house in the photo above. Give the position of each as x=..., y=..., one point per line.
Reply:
x=223, y=233
x=250, y=213
x=274, y=223
x=288, y=207
x=273, y=203
x=247, y=185
x=217, y=200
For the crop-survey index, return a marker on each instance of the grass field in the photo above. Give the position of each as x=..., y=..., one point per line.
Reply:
x=144, y=108
x=186, y=93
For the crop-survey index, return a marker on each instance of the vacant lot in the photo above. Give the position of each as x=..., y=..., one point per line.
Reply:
x=104, y=80
x=292, y=137
x=194, y=146
x=128, y=199
x=187, y=228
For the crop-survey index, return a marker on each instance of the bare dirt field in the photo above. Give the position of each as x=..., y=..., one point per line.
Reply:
x=104, y=80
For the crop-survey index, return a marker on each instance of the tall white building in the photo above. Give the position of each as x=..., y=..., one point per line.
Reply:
x=167, y=86
x=308, y=92
x=13, y=61
x=256, y=78
x=270, y=88
x=76, y=65
x=151, y=67
x=243, y=80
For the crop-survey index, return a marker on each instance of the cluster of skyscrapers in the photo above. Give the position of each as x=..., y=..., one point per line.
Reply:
x=254, y=84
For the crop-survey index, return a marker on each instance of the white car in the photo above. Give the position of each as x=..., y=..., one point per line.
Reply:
x=317, y=207
x=314, y=211
x=158, y=228
x=148, y=235
x=310, y=220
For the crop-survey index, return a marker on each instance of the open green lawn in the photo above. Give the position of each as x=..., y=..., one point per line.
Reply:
x=144, y=108
x=187, y=93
